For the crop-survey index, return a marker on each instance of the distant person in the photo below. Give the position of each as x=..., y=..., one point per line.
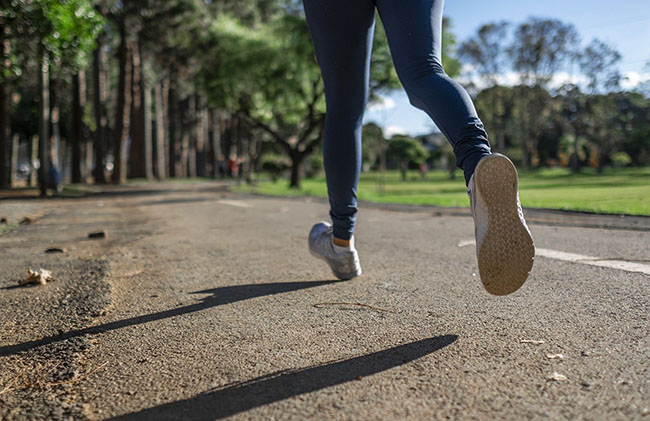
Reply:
x=222, y=166
x=342, y=32
x=423, y=167
x=233, y=166
x=54, y=178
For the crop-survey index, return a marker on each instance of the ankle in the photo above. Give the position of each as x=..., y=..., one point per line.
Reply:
x=470, y=163
x=340, y=242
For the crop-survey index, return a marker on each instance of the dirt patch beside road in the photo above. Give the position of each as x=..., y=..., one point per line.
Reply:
x=45, y=328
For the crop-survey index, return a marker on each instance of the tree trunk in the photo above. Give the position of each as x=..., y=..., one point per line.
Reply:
x=33, y=159
x=123, y=110
x=56, y=151
x=174, y=144
x=574, y=160
x=297, y=160
x=5, y=131
x=226, y=134
x=159, y=160
x=148, y=131
x=525, y=155
x=189, y=148
x=136, y=127
x=527, y=132
x=88, y=165
x=140, y=154
x=99, y=99
x=86, y=145
x=244, y=156
x=185, y=146
x=236, y=127
x=254, y=155
x=78, y=103
x=498, y=132
x=182, y=140
x=215, y=143
x=381, y=180
x=64, y=157
x=13, y=163
x=44, y=122
x=201, y=136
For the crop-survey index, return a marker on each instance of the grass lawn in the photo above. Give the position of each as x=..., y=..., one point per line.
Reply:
x=617, y=191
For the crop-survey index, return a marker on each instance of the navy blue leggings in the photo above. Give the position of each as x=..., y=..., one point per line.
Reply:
x=342, y=32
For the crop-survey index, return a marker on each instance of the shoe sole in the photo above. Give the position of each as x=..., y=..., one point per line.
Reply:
x=506, y=254
x=341, y=276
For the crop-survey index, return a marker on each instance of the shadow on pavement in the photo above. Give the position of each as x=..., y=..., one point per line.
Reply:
x=218, y=297
x=240, y=397
x=175, y=201
x=110, y=191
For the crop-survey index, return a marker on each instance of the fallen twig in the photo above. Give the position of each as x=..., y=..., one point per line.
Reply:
x=14, y=381
x=531, y=341
x=78, y=378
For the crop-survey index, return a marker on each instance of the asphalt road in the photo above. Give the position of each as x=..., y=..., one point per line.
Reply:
x=201, y=304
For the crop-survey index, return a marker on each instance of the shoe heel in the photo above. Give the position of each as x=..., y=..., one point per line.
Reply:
x=505, y=256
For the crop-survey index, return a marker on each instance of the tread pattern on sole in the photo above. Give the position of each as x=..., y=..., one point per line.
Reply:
x=506, y=252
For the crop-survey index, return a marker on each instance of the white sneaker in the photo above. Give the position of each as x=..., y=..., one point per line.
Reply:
x=345, y=264
x=504, y=246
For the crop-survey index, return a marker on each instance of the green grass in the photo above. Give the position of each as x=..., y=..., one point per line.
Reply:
x=616, y=191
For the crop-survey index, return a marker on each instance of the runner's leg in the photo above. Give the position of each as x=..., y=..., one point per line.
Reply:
x=414, y=30
x=342, y=32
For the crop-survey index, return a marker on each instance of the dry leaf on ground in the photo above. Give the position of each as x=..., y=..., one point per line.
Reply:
x=557, y=377
x=40, y=277
x=555, y=356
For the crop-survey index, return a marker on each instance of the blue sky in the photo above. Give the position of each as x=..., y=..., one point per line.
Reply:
x=624, y=24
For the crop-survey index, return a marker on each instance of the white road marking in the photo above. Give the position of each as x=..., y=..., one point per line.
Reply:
x=594, y=261
x=582, y=259
x=236, y=203
x=466, y=243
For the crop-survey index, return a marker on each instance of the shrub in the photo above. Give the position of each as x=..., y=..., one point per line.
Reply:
x=621, y=159
x=275, y=165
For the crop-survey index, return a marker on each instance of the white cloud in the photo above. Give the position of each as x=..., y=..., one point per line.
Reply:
x=385, y=105
x=508, y=79
x=470, y=77
x=632, y=80
x=511, y=78
x=562, y=78
x=391, y=130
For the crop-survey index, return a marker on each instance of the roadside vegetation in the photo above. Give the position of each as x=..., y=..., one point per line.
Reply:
x=614, y=191
x=103, y=91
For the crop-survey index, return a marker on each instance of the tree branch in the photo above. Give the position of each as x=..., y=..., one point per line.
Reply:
x=313, y=119
x=311, y=145
x=265, y=127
